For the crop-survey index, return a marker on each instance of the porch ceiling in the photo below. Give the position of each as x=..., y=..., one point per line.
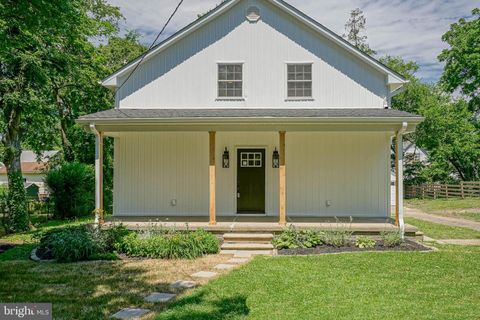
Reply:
x=354, y=119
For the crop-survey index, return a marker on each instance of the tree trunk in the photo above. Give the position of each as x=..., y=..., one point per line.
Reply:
x=17, y=218
x=66, y=145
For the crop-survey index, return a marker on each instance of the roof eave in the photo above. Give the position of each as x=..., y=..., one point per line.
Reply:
x=226, y=120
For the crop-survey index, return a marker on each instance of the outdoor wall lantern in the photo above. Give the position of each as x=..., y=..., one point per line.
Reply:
x=275, y=159
x=226, y=159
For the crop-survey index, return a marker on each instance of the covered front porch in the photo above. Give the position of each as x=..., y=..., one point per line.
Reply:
x=175, y=167
x=359, y=226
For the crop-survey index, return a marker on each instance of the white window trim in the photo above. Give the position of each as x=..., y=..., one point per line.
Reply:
x=254, y=153
x=287, y=98
x=242, y=98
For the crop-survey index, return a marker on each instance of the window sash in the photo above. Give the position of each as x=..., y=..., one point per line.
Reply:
x=230, y=80
x=299, y=80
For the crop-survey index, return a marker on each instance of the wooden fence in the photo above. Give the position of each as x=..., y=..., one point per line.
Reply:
x=441, y=190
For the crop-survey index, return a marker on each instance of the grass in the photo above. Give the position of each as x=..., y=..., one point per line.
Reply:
x=468, y=208
x=41, y=225
x=436, y=285
x=388, y=285
x=95, y=289
x=441, y=231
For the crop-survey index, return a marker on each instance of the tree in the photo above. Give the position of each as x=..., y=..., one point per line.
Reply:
x=120, y=50
x=88, y=97
x=355, y=31
x=462, y=59
x=449, y=133
x=36, y=37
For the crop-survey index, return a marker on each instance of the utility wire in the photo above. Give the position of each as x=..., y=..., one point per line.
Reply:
x=151, y=46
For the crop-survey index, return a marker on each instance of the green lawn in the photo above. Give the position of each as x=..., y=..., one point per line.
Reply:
x=468, y=208
x=26, y=241
x=441, y=231
x=40, y=224
x=394, y=285
x=437, y=285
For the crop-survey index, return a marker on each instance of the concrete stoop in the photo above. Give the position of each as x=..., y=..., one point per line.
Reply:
x=247, y=243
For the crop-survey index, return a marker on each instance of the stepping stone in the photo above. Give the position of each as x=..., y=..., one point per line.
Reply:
x=160, y=297
x=238, y=260
x=130, y=313
x=224, y=266
x=428, y=239
x=204, y=274
x=180, y=285
x=242, y=254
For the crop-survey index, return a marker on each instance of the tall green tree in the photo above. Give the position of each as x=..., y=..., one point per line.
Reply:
x=462, y=59
x=449, y=133
x=355, y=31
x=88, y=97
x=35, y=38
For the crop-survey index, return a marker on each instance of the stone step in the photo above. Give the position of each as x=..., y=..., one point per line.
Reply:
x=247, y=253
x=246, y=246
x=248, y=237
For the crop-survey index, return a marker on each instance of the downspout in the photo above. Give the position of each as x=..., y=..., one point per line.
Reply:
x=399, y=177
x=98, y=183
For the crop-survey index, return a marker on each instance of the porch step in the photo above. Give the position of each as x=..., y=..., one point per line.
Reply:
x=248, y=237
x=251, y=246
x=248, y=253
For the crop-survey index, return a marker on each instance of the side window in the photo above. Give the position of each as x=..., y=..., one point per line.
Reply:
x=299, y=80
x=230, y=80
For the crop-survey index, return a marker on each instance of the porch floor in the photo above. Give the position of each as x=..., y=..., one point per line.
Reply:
x=261, y=223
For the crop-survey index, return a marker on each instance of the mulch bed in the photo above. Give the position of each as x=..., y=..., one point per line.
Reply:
x=408, y=245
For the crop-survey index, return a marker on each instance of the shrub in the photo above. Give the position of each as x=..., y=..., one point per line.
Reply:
x=365, y=242
x=391, y=238
x=69, y=244
x=291, y=238
x=81, y=243
x=170, y=245
x=72, y=189
x=16, y=218
x=106, y=240
x=337, y=238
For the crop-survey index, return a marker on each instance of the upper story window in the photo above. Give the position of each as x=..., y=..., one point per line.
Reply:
x=299, y=80
x=230, y=80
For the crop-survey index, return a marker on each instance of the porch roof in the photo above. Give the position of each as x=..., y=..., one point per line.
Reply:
x=234, y=113
x=260, y=117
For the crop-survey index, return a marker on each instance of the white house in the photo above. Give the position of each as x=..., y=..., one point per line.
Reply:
x=255, y=108
x=33, y=169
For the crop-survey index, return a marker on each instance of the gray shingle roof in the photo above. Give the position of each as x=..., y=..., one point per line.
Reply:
x=143, y=114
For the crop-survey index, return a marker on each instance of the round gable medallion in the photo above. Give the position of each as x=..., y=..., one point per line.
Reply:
x=253, y=14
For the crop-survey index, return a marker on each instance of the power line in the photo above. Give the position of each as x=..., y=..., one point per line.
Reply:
x=151, y=46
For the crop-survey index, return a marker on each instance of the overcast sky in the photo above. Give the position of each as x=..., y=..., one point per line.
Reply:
x=408, y=28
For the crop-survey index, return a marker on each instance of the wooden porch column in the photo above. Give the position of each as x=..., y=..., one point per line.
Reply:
x=399, y=178
x=98, y=176
x=211, y=178
x=281, y=180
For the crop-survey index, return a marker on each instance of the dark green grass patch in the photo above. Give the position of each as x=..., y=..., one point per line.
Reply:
x=439, y=285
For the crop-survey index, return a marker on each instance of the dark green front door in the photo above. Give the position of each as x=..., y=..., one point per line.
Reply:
x=251, y=180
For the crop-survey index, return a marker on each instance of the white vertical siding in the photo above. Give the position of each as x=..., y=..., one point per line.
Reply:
x=152, y=169
x=185, y=74
x=351, y=169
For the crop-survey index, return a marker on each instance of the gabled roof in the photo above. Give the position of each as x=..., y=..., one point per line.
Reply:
x=394, y=79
